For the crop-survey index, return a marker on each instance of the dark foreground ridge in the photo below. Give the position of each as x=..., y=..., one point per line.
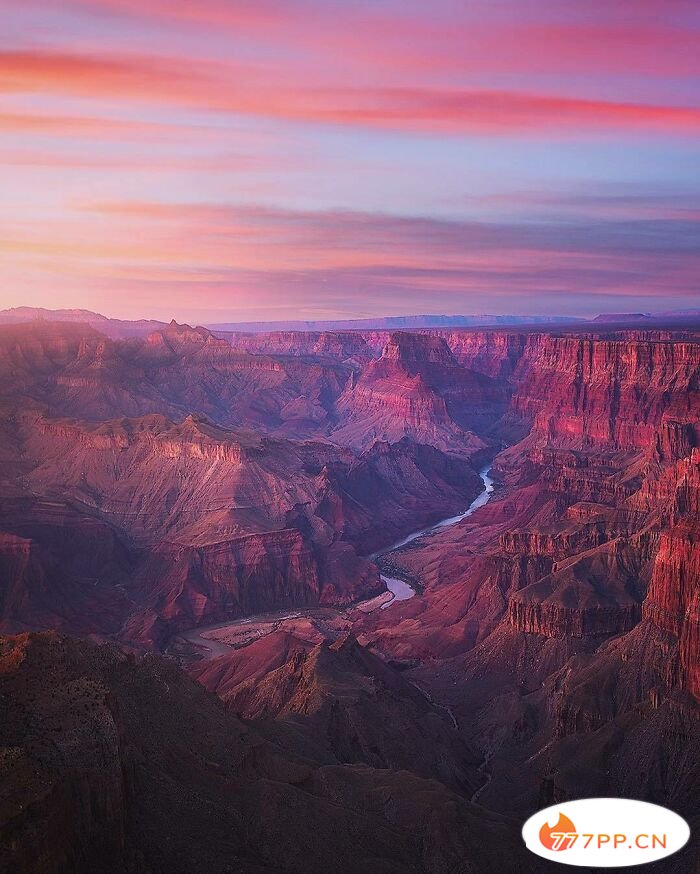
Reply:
x=116, y=764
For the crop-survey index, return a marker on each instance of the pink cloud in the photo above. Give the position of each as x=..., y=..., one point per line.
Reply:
x=246, y=90
x=192, y=101
x=143, y=238
x=167, y=259
x=627, y=37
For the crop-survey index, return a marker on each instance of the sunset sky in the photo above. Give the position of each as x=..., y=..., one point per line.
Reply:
x=216, y=160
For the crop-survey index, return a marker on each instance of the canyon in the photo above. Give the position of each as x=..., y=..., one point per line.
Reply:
x=263, y=486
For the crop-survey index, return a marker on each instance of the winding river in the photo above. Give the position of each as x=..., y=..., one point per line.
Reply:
x=400, y=590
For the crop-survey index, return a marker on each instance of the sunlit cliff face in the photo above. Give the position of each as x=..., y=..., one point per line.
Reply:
x=219, y=161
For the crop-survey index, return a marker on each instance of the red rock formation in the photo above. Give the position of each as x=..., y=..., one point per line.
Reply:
x=341, y=345
x=184, y=586
x=594, y=593
x=416, y=389
x=560, y=622
x=354, y=706
x=221, y=523
x=71, y=370
x=250, y=664
x=683, y=576
x=493, y=353
x=60, y=569
x=585, y=392
x=406, y=485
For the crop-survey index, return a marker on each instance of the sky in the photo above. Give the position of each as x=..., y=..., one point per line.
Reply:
x=232, y=160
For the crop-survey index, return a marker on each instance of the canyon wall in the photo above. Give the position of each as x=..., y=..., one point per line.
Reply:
x=177, y=479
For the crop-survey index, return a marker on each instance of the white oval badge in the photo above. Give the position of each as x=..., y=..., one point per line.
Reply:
x=605, y=832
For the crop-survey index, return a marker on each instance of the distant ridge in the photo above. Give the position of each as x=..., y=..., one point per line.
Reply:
x=121, y=328
x=677, y=316
x=623, y=317
x=125, y=327
x=115, y=328
x=392, y=323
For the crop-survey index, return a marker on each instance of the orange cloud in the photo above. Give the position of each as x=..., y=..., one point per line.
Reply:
x=119, y=75
x=249, y=91
x=92, y=127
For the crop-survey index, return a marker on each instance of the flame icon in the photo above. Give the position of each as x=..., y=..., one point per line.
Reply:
x=560, y=837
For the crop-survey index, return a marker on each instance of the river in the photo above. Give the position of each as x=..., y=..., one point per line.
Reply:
x=400, y=589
